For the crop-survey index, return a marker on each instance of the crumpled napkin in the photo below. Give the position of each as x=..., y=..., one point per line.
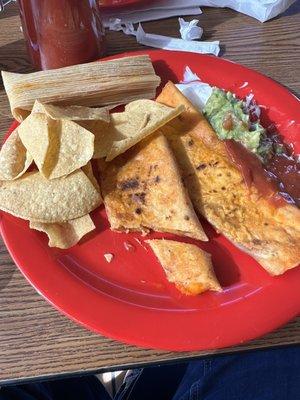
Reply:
x=262, y=10
x=190, y=30
x=152, y=10
x=167, y=42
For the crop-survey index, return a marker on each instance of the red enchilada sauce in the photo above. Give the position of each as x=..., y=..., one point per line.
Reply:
x=287, y=171
x=278, y=180
x=62, y=32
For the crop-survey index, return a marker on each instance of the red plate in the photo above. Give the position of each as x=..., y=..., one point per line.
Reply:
x=130, y=299
x=118, y=3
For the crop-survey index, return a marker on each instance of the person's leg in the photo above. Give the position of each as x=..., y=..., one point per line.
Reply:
x=152, y=383
x=79, y=388
x=256, y=375
x=261, y=375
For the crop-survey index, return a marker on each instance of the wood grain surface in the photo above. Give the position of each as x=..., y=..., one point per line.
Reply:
x=35, y=340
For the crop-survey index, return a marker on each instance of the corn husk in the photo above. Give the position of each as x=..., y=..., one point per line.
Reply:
x=99, y=83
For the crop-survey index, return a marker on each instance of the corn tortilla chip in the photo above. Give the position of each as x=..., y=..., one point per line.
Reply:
x=57, y=147
x=102, y=134
x=33, y=197
x=34, y=134
x=65, y=234
x=140, y=119
x=72, y=113
x=88, y=170
x=14, y=158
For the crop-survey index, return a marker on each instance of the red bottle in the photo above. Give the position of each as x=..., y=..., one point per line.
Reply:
x=62, y=32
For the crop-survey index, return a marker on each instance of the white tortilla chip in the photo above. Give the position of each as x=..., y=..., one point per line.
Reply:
x=143, y=117
x=33, y=197
x=88, y=170
x=103, y=134
x=140, y=119
x=72, y=113
x=57, y=147
x=14, y=158
x=66, y=234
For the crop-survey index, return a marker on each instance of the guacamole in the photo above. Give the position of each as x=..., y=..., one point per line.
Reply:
x=230, y=119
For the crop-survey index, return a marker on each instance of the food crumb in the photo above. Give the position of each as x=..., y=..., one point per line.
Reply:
x=141, y=243
x=108, y=257
x=243, y=85
x=129, y=247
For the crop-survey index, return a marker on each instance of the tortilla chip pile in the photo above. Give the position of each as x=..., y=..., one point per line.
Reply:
x=58, y=143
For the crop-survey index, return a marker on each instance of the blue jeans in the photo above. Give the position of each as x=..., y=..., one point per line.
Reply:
x=254, y=375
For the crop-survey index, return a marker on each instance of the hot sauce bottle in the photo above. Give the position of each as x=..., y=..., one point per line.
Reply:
x=62, y=32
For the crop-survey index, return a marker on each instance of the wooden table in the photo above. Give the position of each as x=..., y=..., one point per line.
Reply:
x=35, y=340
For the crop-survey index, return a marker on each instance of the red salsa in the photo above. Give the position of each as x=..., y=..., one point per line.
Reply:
x=62, y=32
x=278, y=180
x=287, y=171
